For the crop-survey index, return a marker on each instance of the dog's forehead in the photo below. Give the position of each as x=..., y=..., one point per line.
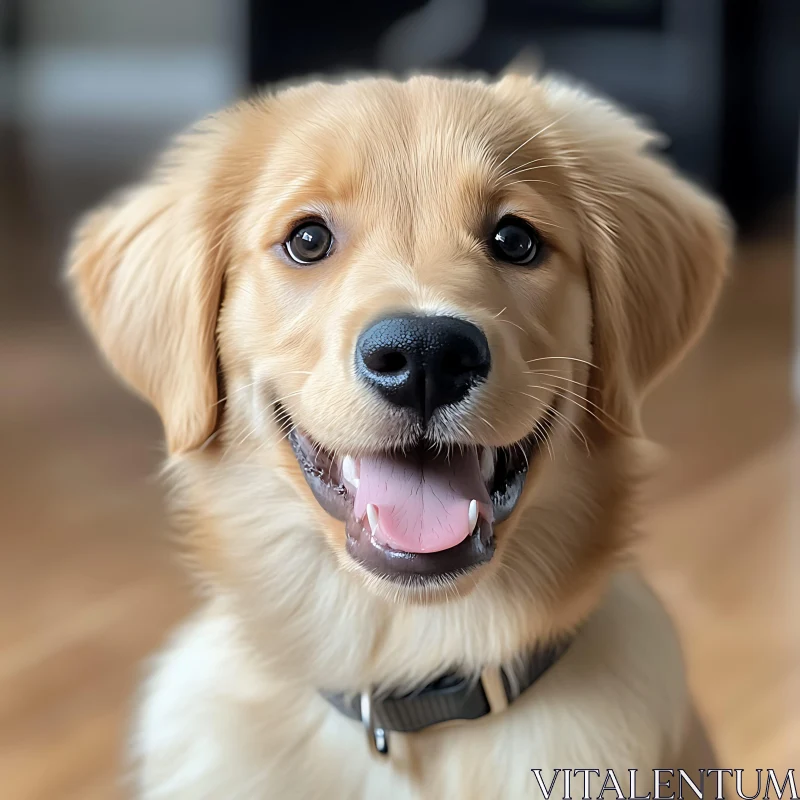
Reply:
x=417, y=136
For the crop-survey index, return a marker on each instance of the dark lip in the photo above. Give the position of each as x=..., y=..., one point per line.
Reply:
x=418, y=568
x=323, y=476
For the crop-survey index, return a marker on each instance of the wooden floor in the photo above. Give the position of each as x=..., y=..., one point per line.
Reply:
x=88, y=586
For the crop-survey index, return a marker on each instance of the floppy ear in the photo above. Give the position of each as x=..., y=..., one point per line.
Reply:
x=655, y=246
x=148, y=283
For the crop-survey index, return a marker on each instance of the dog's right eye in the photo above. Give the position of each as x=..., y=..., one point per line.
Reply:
x=309, y=242
x=516, y=242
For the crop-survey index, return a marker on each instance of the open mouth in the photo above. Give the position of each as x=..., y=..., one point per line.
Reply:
x=425, y=513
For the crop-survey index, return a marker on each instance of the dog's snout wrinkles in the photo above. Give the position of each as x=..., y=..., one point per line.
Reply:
x=422, y=363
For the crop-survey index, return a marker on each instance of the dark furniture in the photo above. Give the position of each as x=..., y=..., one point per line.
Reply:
x=720, y=77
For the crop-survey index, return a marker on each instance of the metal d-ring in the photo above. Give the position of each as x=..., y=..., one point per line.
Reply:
x=377, y=737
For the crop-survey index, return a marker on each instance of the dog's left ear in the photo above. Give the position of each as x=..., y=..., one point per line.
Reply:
x=656, y=252
x=655, y=246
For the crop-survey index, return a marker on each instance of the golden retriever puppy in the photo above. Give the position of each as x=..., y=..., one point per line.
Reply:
x=398, y=333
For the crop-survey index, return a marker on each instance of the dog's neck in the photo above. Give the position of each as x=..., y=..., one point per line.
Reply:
x=451, y=697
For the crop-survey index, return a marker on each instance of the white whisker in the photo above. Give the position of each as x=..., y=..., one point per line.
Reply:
x=562, y=358
x=575, y=394
x=531, y=138
x=540, y=222
x=573, y=427
x=524, y=454
x=532, y=180
x=543, y=439
x=508, y=321
x=271, y=408
x=486, y=422
x=524, y=164
x=540, y=438
x=525, y=168
x=563, y=156
x=554, y=377
x=561, y=389
x=235, y=391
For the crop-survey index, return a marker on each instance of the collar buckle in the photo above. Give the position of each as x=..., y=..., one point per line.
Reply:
x=377, y=737
x=494, y=689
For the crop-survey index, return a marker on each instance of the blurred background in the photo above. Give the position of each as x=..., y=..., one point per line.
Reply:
x=91, y=89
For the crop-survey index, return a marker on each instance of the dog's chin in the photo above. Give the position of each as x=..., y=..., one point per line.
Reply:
x=427, y=517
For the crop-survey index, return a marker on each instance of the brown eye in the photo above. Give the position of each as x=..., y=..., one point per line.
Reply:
x=309, y=242
x=515, y=241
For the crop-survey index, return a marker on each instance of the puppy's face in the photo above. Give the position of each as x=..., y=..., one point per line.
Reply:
x=408, y=305
x=412, y=295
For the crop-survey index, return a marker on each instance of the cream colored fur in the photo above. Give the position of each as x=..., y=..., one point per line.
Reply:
x=616, y=701
x=184, y=283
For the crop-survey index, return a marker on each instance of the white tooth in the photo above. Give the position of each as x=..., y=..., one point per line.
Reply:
x=487, y=463
x=473, y=514
x=349, y=472
x=372, y=516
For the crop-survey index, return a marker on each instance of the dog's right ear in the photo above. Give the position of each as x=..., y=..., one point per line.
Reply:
x=147, y=276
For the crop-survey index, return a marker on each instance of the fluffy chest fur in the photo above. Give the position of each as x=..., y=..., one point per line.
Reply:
x=217, y=724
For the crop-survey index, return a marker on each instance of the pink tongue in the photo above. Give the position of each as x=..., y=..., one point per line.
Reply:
x=423, y=504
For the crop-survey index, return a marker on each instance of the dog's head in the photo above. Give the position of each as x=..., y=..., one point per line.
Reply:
x=404, y=303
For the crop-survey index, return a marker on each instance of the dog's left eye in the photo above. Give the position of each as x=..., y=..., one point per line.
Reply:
x=515, y=241
x=309, y=242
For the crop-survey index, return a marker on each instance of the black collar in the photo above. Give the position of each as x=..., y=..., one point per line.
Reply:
x=450, y=697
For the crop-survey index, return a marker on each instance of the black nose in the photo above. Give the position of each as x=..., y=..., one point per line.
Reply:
x=423, y=363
